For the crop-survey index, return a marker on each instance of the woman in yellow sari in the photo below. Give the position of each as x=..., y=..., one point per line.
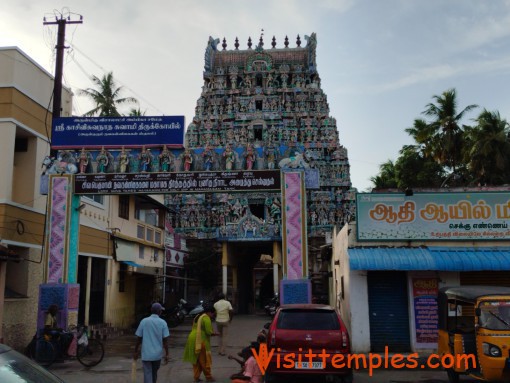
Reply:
x=198, y=345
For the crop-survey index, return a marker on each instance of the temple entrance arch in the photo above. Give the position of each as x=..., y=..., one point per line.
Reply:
x=283, y=226
x=250, y=229
x=252, y=279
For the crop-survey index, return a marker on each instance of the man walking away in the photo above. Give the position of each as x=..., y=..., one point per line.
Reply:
x=152, y=334
x=224, y=314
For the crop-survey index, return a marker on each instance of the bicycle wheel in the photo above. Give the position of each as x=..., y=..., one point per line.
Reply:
x=30, y=349
x=91, y=354
x=45, y=352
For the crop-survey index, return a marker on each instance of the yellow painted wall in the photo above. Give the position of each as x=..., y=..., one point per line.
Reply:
x=120, y=311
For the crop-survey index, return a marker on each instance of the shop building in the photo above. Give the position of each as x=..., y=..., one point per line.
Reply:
x=388, y=265
x=108, y=285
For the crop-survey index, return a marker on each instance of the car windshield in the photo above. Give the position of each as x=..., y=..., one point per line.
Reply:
x=16, y=368
x=495, y=315
x=300, y=319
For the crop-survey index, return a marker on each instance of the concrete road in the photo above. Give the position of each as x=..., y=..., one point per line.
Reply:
x=116, y=366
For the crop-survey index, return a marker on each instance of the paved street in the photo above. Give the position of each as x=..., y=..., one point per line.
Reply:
x=116, y=366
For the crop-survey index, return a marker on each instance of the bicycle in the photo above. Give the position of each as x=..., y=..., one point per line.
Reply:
x=45, y=348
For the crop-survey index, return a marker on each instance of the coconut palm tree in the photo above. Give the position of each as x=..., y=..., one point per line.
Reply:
x=446, y=140
x=386, y=178
x=106, y=97
x=134, y=112
x=488, y=152
x=422, y=134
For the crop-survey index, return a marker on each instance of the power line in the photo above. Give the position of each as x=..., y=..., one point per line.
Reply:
x=106, y=71
x=61, y=21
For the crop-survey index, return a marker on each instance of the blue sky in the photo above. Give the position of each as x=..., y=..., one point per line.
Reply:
x=380, y=61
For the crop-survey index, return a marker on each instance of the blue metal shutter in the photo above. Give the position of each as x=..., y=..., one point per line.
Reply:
x=388, y=310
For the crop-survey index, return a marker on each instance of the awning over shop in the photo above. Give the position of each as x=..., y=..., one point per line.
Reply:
x=430, y=258
x=132, y=264
x=141, y=269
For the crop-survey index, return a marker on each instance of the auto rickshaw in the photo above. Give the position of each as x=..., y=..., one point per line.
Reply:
x=474, y=328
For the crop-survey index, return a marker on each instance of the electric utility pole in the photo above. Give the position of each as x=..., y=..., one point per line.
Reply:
x=61, y=21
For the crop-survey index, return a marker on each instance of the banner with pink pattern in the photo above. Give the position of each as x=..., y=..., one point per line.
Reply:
x=57, y=228
x=294, y=225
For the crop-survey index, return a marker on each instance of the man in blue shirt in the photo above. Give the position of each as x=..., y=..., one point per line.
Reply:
x=152, y=333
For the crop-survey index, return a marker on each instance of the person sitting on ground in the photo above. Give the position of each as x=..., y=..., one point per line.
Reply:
x=246, y=352
x=57, y=334
x=250, y=369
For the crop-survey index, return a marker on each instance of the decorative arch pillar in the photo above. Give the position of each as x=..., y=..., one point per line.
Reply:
x=277, y=262
x=226, y=261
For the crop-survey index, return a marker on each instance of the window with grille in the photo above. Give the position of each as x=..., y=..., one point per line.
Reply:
x=150, y=235
x=124, y=206
x=140, y=232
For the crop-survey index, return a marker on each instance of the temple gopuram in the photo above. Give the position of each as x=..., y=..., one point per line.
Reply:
x=261, y=108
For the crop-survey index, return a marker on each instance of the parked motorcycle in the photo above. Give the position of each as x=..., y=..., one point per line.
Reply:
x=272, y=306
x=177, y=315
x=199, y=309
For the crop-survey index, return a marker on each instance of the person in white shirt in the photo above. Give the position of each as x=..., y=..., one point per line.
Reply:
x=224, y=314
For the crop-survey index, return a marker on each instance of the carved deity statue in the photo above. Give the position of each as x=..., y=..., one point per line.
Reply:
x=208, y=158
x=123, y=161
x=229, y=158
x=145, y=158
x=165, y=160
x=188, y=160
x=270, y=153
x=102, y=160
x=250, y=157
x=83, y=161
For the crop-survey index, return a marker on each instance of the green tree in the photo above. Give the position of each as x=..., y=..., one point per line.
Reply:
x=487, y=155
x=422, y=133
x=445, y=143
x=387, y=176
x=413, y=169
x=106, y=97
x=136, y=112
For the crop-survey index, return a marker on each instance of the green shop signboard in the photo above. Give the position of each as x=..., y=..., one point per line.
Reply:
x=433, y=216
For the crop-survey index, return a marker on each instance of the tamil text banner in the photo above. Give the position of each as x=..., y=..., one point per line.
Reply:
x=433, y=216
x=180, y=182
x=136, y=131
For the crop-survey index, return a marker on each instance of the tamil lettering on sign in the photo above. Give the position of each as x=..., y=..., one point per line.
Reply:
x=90, y=132
x=433, y=216
x=178, y=182
x=425, y=309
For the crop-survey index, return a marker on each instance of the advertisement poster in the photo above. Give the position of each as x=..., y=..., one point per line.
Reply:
x=433, y=216
x=425, y=309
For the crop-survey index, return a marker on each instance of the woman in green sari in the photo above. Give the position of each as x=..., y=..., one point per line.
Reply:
x=198, y=345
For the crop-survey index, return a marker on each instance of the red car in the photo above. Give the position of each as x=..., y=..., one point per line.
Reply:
x=308, y=340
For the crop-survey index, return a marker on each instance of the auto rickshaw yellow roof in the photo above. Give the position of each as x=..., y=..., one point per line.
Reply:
x=470, y=293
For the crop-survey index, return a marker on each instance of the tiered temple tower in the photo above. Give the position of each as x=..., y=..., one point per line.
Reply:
x=263, y=108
